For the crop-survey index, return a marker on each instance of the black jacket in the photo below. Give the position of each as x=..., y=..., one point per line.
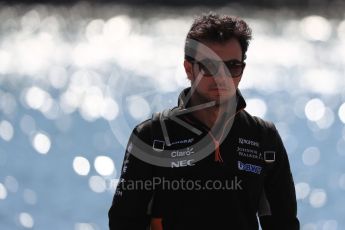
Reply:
x=247, y=175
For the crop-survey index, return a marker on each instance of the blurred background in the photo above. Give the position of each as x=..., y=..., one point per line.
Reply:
x=76, y=77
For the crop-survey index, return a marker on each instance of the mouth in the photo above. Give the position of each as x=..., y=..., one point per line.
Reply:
x=219, y=89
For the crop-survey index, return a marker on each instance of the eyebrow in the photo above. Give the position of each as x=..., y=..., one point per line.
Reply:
x=229, y=60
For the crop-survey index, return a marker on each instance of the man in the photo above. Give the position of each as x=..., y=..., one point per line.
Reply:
x=208, y=163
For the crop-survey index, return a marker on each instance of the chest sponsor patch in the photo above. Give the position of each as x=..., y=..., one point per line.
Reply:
x=182, y=153
x=158, y=145
x=249, y=167
x=249, y=153
x=269, y=156
x=185, y=141
x=244, y=141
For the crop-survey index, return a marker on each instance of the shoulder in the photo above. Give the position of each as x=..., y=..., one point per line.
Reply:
x=143, y=130
x=144, y=126
x=257, y=121
x=150, y=125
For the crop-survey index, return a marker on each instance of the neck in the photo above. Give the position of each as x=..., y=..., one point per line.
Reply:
x=213, y=115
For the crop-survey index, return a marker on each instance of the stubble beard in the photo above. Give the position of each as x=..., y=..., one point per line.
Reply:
x=219, y=100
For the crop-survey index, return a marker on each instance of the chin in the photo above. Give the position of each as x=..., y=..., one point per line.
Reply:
x=222, y=93
x=222, y=97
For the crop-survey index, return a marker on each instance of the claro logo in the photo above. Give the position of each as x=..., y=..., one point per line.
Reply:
x=178, y=153
x=183, y=163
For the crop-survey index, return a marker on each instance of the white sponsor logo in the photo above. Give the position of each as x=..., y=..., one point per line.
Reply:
x=178, y=153
x=269, y=156
x=248, y=142
x=158, y=145
x=249, y=153
x=253, y=156
x=124, y=169
x=182, y=163
x=186, y=141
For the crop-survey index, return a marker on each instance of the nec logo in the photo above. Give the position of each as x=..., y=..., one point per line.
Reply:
x=183, y=163
x=249, y=167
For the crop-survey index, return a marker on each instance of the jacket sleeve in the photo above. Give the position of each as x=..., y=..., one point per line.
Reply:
x=280, y=190
x=129, y=209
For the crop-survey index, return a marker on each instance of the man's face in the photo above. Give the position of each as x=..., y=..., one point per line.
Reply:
x=219, y=87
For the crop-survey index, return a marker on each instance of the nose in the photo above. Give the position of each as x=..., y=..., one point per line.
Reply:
x=221, y=80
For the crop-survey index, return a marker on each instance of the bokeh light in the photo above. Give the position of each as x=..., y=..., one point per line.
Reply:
x=316, y=28
x=341, y=113
x=3, y=192
x=41, y=142
x=327, y=120
x=6, y=130
x=318, y=198
x=302, y=190
x=256, y=107
x=83, y=226
x=110, y=109
x=341, y=30
x=11, y=184
x=104, y=165
x=311, y=156
x=139, y=108
x=315, y=109
x=26, y=220
x=97, y=184
x=35, y=97
x=81, y=166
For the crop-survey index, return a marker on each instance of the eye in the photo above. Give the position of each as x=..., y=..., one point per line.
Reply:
x=233, y=62
x=209, y=67
x=235, y=67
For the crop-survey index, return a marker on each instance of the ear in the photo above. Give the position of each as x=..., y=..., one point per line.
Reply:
x=188, y=67
x=244, y=67
x=237, y=80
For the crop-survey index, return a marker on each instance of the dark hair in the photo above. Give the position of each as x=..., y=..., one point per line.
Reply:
x=216, y=28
